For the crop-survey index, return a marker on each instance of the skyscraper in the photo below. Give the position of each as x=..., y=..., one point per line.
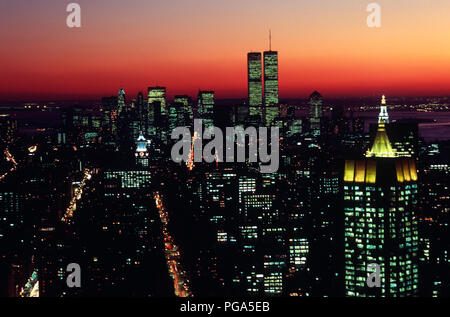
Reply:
x=8, y=128
x=141, y=151
x=270, y=86
x=121, y=100
x=109, y=122
x=434, y=220
x=188, y=112
x=270, y=78
x=403, y=134
x=158, y=94
x=380, y=198
x=255, y=98
x=315, y=112
x=140, y=106
x=206, y=107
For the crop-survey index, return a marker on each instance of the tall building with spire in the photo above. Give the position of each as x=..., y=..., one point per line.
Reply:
x=271, y=110
x=380, y=198
x=315, y=112
x=121, y=100
x=270, y=78
x=271, y=86
x=403, y=134
x=141, y=151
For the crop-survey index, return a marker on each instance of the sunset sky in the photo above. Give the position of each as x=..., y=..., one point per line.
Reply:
x=188, y=45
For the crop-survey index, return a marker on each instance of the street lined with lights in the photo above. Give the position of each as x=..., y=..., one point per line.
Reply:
x=11, y=159
x=172, y=253
x=78, y=192
x=31, y=288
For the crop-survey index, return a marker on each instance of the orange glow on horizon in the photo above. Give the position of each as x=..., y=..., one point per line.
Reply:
x=199, y=44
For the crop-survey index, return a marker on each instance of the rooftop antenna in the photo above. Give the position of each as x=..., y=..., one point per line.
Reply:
x=270, y=40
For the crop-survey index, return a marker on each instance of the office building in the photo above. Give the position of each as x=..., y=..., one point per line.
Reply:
x=381, y=229
x=254, y=71
x=270, y=78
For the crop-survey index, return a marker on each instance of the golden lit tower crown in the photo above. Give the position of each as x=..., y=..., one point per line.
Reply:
x=381, y=146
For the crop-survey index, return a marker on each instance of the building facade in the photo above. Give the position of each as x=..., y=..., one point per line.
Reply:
x=381, y=230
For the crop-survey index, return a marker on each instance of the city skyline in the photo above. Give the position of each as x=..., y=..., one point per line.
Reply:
x=323, y=46
x=220, y=156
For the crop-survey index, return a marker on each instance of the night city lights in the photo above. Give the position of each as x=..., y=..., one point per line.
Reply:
x=215, y=157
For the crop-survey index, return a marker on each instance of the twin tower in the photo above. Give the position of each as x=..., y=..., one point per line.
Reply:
x=256, y=96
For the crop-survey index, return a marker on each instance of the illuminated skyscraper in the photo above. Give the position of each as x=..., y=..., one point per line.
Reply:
x=186, y=102
x=157, y=111
x=315, y=112
x=154, y=118
x=403, y=135
x=270, y=78
x=109, y=122
x=206, y=107
x=121, y=100
x=255, y=98
x=263, y=251
x=271, y=86
x=141, y=151
x=175, y=115
x=140, y=106
x=434, y=224
x=12, y=238
x=380, y=198
x=158, y=94
x=8, y=128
